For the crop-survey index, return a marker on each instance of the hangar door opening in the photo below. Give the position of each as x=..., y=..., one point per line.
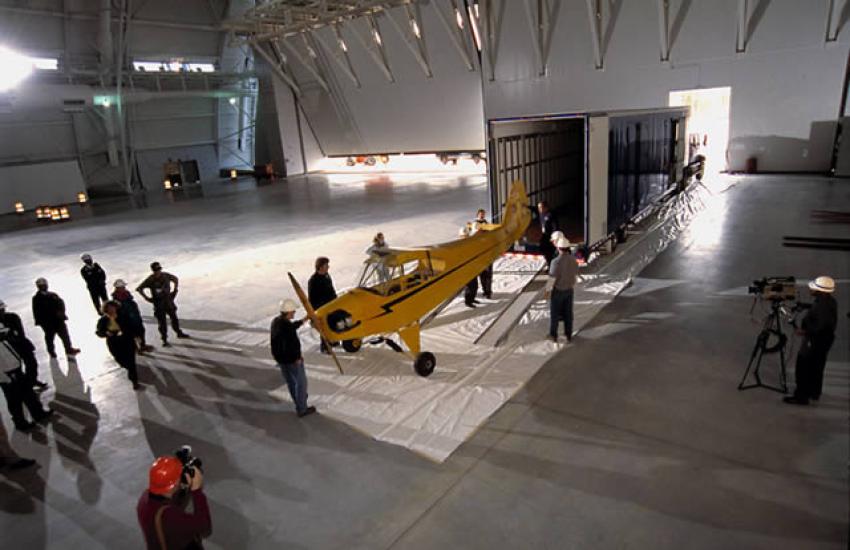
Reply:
x=548, y=156
x=708, y=124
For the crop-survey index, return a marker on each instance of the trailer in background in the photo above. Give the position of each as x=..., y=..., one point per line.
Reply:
x=598, y=171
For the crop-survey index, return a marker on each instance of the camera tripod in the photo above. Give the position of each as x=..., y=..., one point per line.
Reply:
x=772, y=327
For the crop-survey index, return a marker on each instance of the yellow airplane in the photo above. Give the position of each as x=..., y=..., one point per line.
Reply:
x=398, y=288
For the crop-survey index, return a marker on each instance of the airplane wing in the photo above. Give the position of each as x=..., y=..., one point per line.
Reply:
x=312, y=314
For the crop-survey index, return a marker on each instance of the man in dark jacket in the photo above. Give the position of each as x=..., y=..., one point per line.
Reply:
x=25, y=349
x=161, y=509
x=129, y=314
x=547, y=226
x=486, y=276
x=162, y=297
x=818, y=331
x=95, y=278
x=320, y=287
x=286, y=350
x=119, y=339
x=17, y=389
x=48, y=310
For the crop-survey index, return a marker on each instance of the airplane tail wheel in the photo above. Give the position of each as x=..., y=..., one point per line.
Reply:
x=425, y=363
x=352, y=346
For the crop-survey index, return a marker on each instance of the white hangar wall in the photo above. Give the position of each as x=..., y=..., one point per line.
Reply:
x=414, y=113
x=786, y=86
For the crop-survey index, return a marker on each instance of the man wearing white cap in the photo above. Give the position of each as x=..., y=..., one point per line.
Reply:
x=286, y=350
x=48, y=311
x=818, y=330
x=563, y=272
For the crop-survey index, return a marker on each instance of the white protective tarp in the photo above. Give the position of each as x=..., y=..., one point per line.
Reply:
x=380, y=395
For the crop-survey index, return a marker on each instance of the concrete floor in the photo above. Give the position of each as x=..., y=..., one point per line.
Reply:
x=635, y=436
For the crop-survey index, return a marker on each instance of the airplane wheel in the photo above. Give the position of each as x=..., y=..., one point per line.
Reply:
x=425, y=363
x=352, y=346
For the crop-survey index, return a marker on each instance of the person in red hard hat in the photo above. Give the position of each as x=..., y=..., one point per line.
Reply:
x=163, y=519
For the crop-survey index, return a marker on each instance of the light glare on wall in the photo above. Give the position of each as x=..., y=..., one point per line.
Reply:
x=14, y=68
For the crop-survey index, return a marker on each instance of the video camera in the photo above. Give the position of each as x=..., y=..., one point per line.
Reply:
x=775, y=289
x=190, y=462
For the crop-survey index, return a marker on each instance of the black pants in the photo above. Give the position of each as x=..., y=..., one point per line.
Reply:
x=486, y=278
x=50, y=334
x=470, y=291
x=161, y=314
x=98, y=296
x=19, y=393
x=123, y=349
x=808, y=373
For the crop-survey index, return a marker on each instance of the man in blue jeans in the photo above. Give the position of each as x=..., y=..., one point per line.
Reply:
x=286, y=350
x=563, y=273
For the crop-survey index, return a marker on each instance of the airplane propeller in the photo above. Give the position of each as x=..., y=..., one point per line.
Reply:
x=312, y=314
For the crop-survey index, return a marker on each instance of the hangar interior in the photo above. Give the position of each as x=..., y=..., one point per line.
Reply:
x=687, y=149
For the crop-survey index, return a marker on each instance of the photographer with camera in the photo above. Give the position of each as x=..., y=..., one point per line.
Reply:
x=818, y=331
x=162, y=507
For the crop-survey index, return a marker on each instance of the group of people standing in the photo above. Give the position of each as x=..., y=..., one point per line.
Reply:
x=120, y=324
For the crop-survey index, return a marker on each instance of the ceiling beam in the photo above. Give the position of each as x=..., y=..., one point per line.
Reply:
x=833, y=19
x=276, y=68
x=411, y=33
x=90, y=16
x=308, y=64
x=453, y=27
x=491, y=17
x=664, y=29
x=741, y=36
x=594, y=14
x=374, y=45
x=341, y=58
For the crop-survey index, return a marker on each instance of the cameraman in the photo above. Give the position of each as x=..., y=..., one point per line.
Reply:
x=818, y=331
x=161, y=509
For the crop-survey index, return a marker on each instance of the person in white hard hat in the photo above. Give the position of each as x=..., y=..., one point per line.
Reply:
x=95, y=278
x=818, y=331
x=286, y=350
x=563, y=273
x=48, y=310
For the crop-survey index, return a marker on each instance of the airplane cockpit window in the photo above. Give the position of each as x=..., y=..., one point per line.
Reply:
x=375, y=272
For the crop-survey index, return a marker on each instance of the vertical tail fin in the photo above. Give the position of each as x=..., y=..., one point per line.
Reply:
x=516, y=215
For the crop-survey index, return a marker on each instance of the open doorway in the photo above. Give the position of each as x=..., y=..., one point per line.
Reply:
x=708, y=124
